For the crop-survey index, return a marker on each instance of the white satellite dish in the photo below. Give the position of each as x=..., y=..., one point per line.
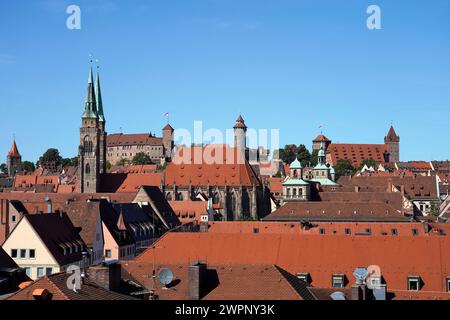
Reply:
x=337, y=295
x=165, y=276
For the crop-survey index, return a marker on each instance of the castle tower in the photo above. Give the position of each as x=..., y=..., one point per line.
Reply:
x=101, y=124
x=392, y=141
x=14, y=160
x=89, y=149
x=167, y=139
x=240, y=130
x=320, y=142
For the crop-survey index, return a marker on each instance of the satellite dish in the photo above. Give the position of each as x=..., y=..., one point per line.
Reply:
x=337, y=295
x=165, y=276
x=361, y=275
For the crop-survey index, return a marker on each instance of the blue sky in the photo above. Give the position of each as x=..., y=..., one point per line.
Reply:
x=292, y=65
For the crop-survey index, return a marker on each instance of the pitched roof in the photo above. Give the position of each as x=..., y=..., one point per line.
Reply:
x=338, y=211
x=121, y=139
x=189, y=210
x=14, y=151
x=6, y=261
x=356, y=153
x=225, y=282
x=319, y=255
x=191, y=167
x=168, y=127
x=321, y=138
x=424, y=187
x=159, y=203
x=85, y=214
x=392, y=136
x=57, y=232
x=128, y=182
x=56, y=284
x=240, y=123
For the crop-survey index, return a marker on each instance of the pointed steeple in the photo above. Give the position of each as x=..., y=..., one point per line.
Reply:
x=98, y=99
x=90, y=107
x=14, y=151
x=391, y=136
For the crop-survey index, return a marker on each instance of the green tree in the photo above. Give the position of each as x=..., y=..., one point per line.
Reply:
x=69, y=162
x=51, y=155
x=368, y=162
x=343, y=167
x=108, y=165
x=28, y=166
x=288, y=154
x=3, y=168
x=303, y=155
x=141, y=158
x=435, y=208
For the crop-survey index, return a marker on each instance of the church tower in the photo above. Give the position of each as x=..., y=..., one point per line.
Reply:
x=240, y=131
x=101, y=124
x=14, y=160
x=90, y=143
x=392, y=141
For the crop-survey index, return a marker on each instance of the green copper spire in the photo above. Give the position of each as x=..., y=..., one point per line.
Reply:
x=98, y=99
x=90, y=107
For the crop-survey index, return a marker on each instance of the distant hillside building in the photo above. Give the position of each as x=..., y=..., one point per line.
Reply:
x=389, y=152
x=126, y=146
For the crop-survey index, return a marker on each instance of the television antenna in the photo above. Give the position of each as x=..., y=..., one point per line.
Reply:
x=361, y=275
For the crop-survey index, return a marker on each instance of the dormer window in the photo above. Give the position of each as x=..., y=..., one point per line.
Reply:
x=304, y=276
x=447, y=282
x=338, y=280
x=414, y=283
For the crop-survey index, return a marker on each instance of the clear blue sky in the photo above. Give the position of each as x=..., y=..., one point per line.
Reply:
x=285, y=64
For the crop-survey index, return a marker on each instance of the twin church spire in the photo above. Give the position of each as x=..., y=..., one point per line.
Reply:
x=93, y=106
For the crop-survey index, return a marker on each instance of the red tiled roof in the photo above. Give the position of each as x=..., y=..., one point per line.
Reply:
x=225, y=171
x=356, y=153
x=128, y=182
x=392, y=136
x=320, y=255
x=189, y=210
x=232, y=282
x=321, y=138
x=14, y=152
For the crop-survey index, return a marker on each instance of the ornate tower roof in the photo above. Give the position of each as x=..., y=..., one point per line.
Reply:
x=295, y=164
x=90, y=107
x=98, y=99
x=14, y=151
x=391, y=136
x=240, y=123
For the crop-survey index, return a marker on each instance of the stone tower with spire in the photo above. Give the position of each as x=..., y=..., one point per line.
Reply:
x=392, y=141
x=167, y=139
x=101, y=124
x=92, y=149
x=14, y=160
x=240, y=131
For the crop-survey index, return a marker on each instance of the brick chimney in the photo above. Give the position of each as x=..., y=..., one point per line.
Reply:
x=359, y=292
x=107, y=276
x=196, y=281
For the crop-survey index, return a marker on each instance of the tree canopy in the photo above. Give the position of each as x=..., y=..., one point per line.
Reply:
x=51, y=155
x=343, y=167
x=28, y=166
x=141, y=158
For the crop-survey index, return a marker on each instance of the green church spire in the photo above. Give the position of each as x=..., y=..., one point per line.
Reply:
x=98, y=99
x=90, y=107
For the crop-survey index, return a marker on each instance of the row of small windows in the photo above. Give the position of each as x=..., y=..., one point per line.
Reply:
x=368, y=231
x=23, y=253
x=414, y=282
x=139, y=147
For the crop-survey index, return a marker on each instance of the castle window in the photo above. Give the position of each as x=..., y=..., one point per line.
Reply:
x=87, y=169
x=87, y=144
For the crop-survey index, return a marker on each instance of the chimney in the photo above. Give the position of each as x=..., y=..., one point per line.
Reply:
x=49, y=204
x=359, y=292
x=196, y=281
x=42, y=295
x=108, y=275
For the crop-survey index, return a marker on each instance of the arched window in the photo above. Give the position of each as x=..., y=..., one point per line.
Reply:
x=87, y=144
x=295, y=173
x=87, y=169
x=168, y=196
x=300, y=191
